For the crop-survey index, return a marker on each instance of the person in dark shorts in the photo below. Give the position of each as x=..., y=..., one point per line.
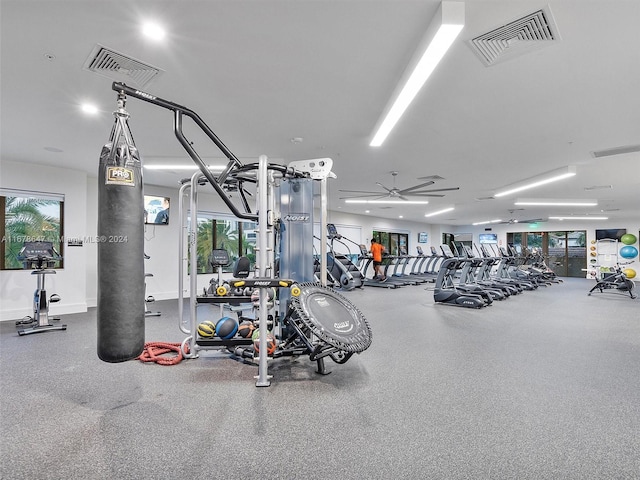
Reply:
x=376, y=252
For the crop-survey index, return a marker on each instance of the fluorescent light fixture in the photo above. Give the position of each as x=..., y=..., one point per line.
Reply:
x=549, y=177
x=488, y=221
x=445, y=210
x=397, y=202
x=556, y=202
x=443, y=30
x=569, y=217
x=182, y=167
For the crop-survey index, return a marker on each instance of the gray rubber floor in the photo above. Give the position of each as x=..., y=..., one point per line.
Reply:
x=545, y=385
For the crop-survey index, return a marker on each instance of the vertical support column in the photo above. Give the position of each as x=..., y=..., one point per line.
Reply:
x=323, y=232
x=181, y=218
x=263, y=205
x=193, y=264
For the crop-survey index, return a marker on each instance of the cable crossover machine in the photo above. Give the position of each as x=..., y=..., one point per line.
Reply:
x=313, y=319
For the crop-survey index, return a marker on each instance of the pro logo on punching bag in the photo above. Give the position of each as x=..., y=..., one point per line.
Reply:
x=120, y=176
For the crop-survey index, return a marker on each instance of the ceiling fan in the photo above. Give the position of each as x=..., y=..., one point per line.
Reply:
x=395, y=192
x=515, y=220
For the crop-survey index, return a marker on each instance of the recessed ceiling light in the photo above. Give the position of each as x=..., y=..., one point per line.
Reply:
x=439, y=36
x=569, y=217
x=557, y=202
x=549, y=177
x=445, y=210
x=497, y=220
x=153, y=30
x=89, y=108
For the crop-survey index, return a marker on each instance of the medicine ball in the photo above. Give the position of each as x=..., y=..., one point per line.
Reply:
x=207, y=329
x=246, y=328
x=271, y=342
x=226, y=327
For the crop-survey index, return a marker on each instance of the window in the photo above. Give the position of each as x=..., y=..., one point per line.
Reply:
x=218, y=231
x=394, y=243
x=29, y=217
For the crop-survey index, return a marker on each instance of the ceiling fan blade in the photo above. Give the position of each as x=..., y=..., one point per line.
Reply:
x=377, y=194
x=407, y=190
x=361, y=191
x=381, y=185
x=426, y=194
x=435, y=190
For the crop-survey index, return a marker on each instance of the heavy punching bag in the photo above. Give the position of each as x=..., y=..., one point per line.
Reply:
x=120, y=314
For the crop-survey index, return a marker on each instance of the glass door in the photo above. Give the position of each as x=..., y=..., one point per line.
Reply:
x=567, y=253
x=556, y=252
x=576, y=253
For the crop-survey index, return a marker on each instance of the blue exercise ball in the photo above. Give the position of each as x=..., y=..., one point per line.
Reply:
x=628, y=252
x=226, y=327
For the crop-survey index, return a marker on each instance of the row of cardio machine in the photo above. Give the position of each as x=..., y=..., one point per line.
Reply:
x=471, y=281
x=398, y=270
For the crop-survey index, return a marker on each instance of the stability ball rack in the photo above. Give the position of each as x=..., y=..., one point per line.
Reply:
x=351, y=334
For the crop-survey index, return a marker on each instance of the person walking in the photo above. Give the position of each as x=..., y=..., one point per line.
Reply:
x=376, y=252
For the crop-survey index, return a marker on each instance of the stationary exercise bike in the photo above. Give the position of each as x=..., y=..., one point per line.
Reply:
x=41, y=257
x=615, y=280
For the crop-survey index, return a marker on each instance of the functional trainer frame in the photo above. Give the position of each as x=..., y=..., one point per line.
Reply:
x=264, y=175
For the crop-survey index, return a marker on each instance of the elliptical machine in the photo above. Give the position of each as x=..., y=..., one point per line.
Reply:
x=41, y=257
x=447, y=292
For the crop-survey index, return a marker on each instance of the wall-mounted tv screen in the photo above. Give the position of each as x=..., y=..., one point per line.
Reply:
x=423, y=237
x=156, y=210
x=488, y=238
x=610, y=233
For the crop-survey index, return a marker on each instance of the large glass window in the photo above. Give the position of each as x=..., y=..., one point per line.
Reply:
x=565, y=252
x=29, y=217
x=394, y=243
x=218, y=231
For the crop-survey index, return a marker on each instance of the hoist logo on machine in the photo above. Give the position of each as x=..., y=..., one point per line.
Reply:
x=297, y=217
x=146, y=95
x=120, y=176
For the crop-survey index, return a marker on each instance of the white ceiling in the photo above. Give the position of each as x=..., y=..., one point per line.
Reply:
x=262, y=72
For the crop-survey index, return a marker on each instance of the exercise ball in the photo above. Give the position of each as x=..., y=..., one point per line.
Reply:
x=207, y=329
x=629, y=272
x=628, y=239
x=245, y=330
x=226, y=327
x=271, y=342
x=628, y=252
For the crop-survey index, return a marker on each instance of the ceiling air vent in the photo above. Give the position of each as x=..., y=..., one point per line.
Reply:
x=521, y=36
x=120, y=67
